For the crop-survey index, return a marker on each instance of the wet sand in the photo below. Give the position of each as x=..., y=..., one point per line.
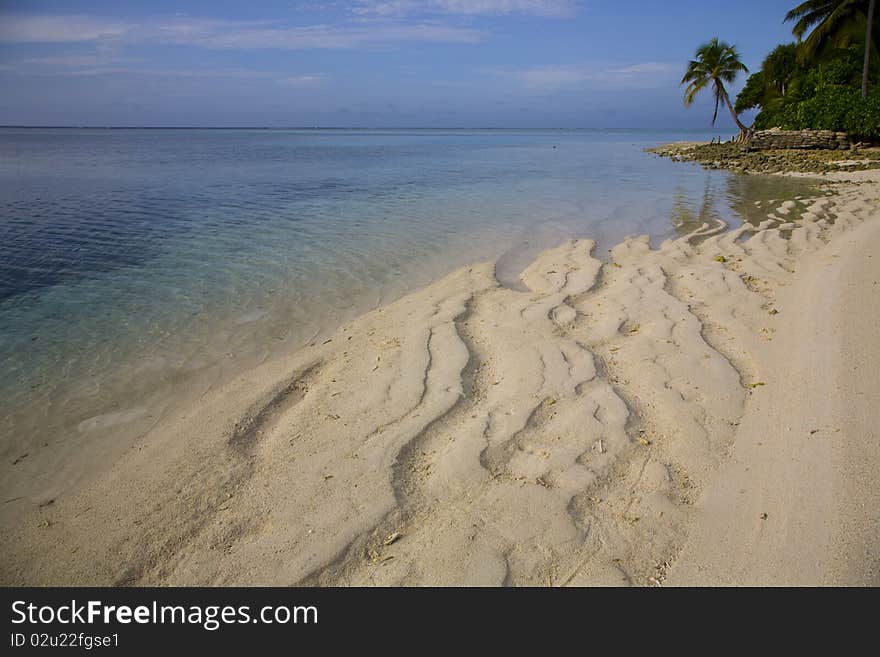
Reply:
x=698, y=413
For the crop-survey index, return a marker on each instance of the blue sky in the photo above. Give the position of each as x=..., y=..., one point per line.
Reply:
x=432, y=63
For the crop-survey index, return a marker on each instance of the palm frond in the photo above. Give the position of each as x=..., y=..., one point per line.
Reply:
x=715, y=63
x=825, y=21
x=693, y=89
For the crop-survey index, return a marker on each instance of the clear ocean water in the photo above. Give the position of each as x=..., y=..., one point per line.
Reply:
x=136, y=261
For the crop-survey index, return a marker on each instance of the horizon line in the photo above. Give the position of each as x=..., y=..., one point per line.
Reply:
x=328, y=127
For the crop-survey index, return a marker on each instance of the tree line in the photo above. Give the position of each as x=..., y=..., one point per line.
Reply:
x=826, y=79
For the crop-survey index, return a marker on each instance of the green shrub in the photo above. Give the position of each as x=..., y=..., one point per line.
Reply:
x=823, y=96
x=832, y=108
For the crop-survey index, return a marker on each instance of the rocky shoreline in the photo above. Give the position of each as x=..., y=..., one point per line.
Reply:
x=733, y=156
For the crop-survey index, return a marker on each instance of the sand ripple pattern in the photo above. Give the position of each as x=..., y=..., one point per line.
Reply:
x=466, y=434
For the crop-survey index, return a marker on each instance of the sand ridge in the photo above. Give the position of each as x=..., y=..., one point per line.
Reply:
x=568, y=434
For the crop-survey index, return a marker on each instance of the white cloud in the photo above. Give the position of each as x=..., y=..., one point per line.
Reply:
x=98, y=65
x=57, y=29
x=552, y=78
x=250, y=35
x=73, y=61
x=466, y=7
x=175, y=72
x=329, y=36
x=648, y=68
x=300, y=81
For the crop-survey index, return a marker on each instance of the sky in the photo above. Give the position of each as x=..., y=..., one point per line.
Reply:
x=369, y=63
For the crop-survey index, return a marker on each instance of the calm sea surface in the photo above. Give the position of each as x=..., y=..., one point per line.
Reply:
x=134, y=261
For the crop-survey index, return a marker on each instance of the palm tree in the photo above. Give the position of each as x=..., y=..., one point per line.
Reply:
x=868, y=29
x=781, y=66
x=831, y=21
x=716, y=63
x=769, y=87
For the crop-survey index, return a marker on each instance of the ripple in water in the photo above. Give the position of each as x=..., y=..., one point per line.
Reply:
x=138, y=266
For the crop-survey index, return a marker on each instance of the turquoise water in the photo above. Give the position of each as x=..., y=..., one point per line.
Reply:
x=134, y=261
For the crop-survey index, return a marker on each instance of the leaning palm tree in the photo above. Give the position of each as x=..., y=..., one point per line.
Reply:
x=833, y=21
x=716, y=63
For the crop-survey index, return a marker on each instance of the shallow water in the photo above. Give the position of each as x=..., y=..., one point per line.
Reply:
x=136, y=261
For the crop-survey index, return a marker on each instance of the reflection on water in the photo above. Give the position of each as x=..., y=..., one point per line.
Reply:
x=137, y=267
x=750, y=196
x=747, y=196
x=689, y=214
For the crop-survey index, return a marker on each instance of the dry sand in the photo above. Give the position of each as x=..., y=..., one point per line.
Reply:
x=700, y=413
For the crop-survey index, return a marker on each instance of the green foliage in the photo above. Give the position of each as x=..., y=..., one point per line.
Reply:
x=816, y=83
x=780, y=73
x=821, y=95
x=839, y=68
x=833, y=23
x=781, y=67
x=715, y=63
x=753, y=94
x=832, y=108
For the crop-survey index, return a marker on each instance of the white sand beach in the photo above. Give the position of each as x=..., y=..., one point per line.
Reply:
x=704, y=412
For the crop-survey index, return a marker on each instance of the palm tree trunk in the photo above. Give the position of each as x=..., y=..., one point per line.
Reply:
x=868, y=34
x=743, y=129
